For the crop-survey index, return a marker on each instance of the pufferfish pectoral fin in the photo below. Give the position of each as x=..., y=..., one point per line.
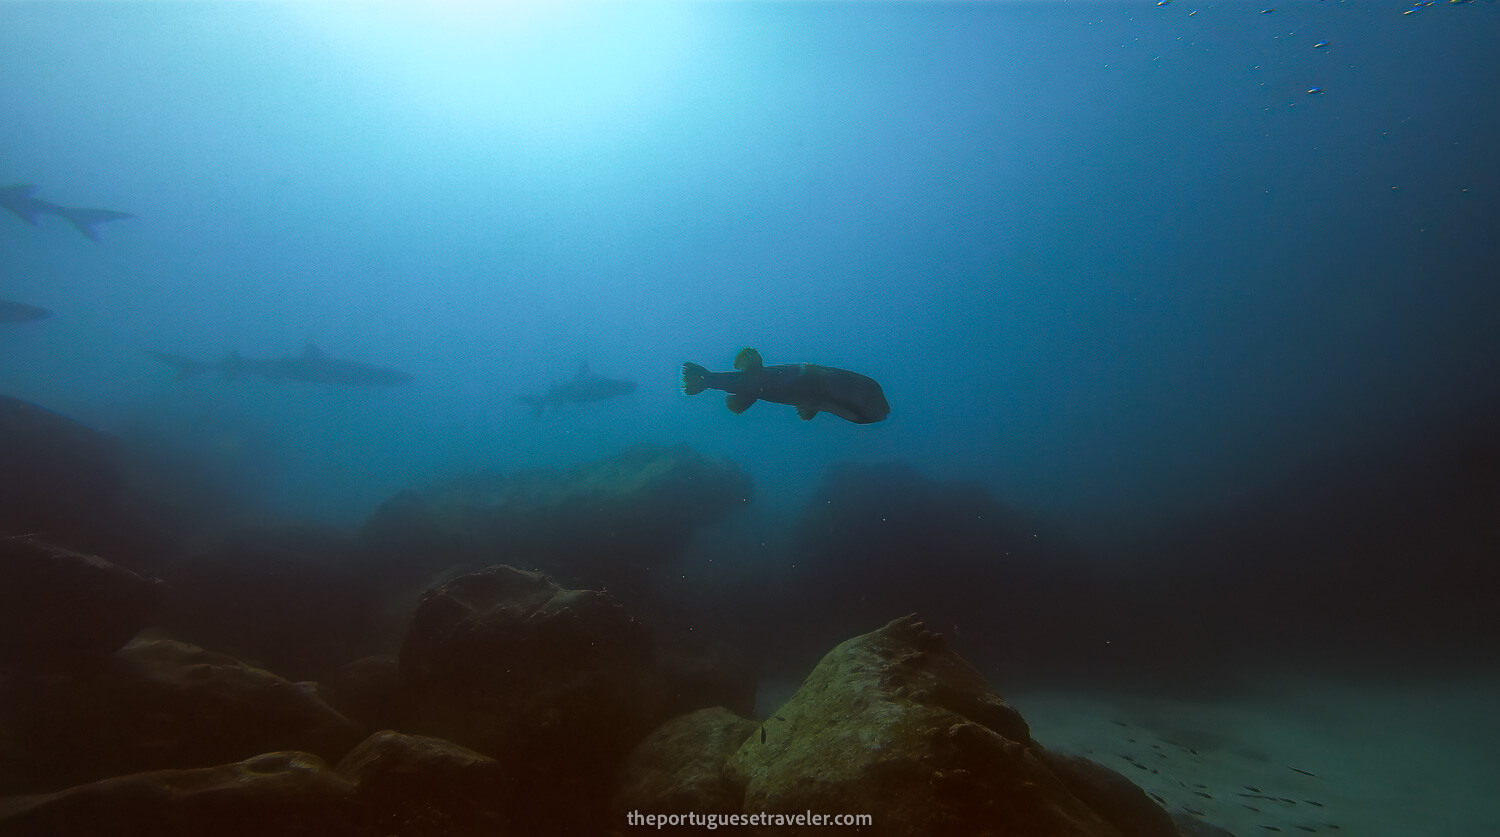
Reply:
x=739, y=402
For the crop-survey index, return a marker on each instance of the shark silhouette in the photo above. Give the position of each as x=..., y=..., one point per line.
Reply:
x=20, y=312
x=20, y=200
x=581, y=388
x=312, y=366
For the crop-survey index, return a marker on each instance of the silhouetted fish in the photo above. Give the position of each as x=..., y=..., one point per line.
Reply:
x=581, y=388
x=18, y=199
x=17, y=312
x=811, y=389
x=312, y=366
x=186, y=367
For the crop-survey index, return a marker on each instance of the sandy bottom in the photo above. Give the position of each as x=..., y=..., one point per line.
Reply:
x=1299, y=755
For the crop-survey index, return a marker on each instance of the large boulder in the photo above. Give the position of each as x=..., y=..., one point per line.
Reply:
x=157, y=704
x=556, y=684
x=984, y=567
x=680, y=766
x=62, y=610
x=369, y=690
x=391, y=784
x=895, y=725
x=282, y=793
x=57, y=477
x=417, y=786
x=603, y=523
x=292, y=599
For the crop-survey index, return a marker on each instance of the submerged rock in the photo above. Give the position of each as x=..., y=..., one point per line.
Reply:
x=57, y=477
x=293, y=599
x=62, y=610
x=895, y=725
x=417, y=786
x=369, y=690
x=599, y=523
x=157, y=704
x=555, y=684
x=391, y=784
x=282, y=793
x=680, y=766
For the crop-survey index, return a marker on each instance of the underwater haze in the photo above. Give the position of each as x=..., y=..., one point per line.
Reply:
x=1154, y=349
x=1122, y=263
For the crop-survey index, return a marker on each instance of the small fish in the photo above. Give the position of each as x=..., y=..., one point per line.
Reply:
x=1251, y=788
x=1303, y=772
x=1308, y=829
x=1320, y=45
x=1314, y=91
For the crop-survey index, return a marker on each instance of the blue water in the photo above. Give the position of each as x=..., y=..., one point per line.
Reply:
x=1206, y=296
x=1112, y=260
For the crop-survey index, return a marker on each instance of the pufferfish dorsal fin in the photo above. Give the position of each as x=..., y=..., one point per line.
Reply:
x=748, y=360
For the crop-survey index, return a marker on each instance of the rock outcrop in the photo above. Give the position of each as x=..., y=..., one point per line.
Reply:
x=157, y=704
x=603, y=523
x=58, y=477
x=891, y=724
x=292, y=599
x=417, y=786
x=680, y=766
x=555, y=684
x=64, y=611
x=282, y=793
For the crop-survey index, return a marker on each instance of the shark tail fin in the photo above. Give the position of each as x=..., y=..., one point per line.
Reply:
x=84, y=220
x=693, y=378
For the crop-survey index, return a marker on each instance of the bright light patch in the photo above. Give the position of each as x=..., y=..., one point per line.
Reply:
x=543, y=65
